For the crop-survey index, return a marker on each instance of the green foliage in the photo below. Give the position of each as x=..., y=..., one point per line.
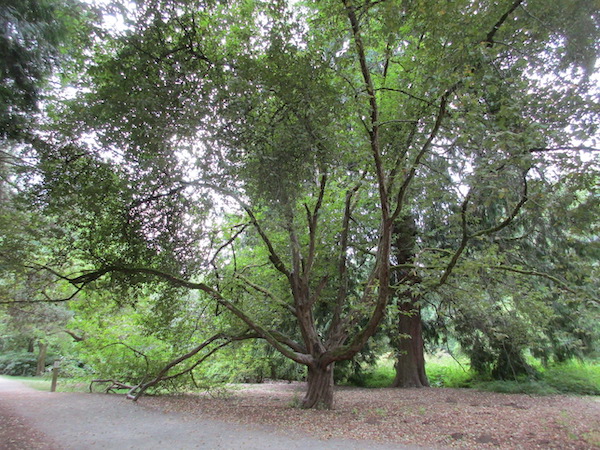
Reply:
x=445, y=371
x=36, y=36
x=379, y=377
x=322, y=125
x=20, y=363
x=574, y=377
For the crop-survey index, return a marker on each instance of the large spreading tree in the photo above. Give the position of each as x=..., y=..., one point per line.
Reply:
x=305, y=166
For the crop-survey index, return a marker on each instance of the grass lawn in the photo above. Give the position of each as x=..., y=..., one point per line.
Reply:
x=43, y=383
x=573, y=377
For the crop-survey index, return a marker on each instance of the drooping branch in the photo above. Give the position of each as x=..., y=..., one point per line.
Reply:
x=463, y=242
x=214, y=294
x=506, y=222
x=535, y=273
x=48, y=299
x=466, y=237
x=137, y=391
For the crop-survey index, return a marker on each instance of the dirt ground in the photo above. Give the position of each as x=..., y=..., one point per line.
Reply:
x=433, y=418
x=265, y=416
x=31, y=419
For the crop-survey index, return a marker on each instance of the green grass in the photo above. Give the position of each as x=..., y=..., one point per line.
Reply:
x=443, y=371
x=381, y=375
x=43, y=383
x=574, y=377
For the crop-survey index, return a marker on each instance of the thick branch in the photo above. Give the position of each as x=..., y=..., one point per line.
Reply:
x=312, y=218
x=489, y=39
x=334, y=333
x=75, y=337
x=139, y=390
x=466, y=237
x=373, y=130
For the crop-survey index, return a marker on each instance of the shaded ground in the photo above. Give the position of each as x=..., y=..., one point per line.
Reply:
x=434, y=418
x=264, y=416
x=31, y=419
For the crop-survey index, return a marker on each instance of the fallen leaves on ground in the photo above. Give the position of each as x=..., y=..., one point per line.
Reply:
x=458, y=418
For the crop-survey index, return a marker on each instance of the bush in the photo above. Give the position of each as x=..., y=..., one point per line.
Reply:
x=19, y=364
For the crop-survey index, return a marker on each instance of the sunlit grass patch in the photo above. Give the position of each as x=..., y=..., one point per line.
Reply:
x=445, y=371
x=574, y=377
x=43, y=383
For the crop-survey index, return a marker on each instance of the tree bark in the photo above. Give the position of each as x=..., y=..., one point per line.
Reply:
x=41, y=359
x=410, y=359
x=319, y=393
x=410, y=362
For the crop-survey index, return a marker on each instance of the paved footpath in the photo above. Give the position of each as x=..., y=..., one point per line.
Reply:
x=80, y=421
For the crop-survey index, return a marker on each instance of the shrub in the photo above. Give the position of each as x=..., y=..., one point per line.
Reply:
x=19, y=364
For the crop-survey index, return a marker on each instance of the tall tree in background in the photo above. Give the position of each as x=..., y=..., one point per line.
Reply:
x=326, y=132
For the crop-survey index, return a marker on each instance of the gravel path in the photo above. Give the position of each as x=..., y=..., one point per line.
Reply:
x=31, y=419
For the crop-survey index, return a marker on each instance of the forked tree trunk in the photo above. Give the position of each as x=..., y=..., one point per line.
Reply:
x=319, y=392
x=410, y=363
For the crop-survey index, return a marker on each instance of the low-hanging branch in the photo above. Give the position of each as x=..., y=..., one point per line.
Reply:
x=268, y=335
x=137, y=391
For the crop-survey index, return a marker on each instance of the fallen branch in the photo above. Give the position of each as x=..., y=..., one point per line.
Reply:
x=114, y=385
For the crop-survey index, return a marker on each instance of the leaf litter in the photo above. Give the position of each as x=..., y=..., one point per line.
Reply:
x=436, y=417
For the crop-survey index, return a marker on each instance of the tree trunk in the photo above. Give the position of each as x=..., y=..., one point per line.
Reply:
x=410, y=363
x=319, y=393
x=41, y=359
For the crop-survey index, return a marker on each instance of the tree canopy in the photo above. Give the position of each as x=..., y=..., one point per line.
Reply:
x=307, y=167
